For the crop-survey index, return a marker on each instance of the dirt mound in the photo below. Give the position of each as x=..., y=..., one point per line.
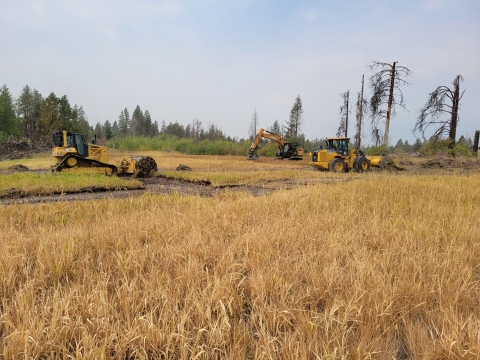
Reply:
x=182, y=167
x=390, y=165
x=450, y=163
x=18, y=167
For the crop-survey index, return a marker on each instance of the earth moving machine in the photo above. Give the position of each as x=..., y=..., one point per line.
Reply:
x=72, y=154
x=337, y=157
x=286, y=150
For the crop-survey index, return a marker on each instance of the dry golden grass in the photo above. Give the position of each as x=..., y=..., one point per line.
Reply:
x=28, y=184
x=35, y=162
x=380, y=268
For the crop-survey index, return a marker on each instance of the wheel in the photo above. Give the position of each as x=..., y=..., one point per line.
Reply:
x=363, y=164
x=337, y=165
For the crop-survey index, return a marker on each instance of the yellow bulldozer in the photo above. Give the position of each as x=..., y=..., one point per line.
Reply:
x=73, y=154
x=335, y=156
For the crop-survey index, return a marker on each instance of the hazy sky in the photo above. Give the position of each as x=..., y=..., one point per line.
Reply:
x=219, y=60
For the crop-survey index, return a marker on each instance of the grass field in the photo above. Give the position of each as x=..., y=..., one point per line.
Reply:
x=383, y=267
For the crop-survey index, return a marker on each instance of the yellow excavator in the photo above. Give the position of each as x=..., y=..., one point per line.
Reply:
x=335, y=156
x=286, y=150
x=72, y=154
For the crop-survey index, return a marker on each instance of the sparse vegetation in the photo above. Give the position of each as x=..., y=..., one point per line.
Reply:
x=305, y=273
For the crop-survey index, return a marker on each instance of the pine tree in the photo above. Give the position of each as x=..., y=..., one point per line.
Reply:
x=107, y=130
x=98, y=131
x=275, y=128
x=163, y=128
x=115, y=129
x=296, y=118
x=84, y=126
x=417, y=144
x=136, y=124
x=147, y=124
x=399, y=145
x=28, y=108
x=50, y=119
x=155, y=128
x=65, y=113
x=124, y=122
x=8, y=119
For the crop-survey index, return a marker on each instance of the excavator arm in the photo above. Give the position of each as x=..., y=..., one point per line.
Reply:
x=267, y=135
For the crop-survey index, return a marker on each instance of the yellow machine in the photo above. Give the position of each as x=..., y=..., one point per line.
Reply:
x=71, y=153
x=286, y=150
x=337, y=157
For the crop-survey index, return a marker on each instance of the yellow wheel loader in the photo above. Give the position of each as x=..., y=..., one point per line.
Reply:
x=335, y=156
x=72, y=154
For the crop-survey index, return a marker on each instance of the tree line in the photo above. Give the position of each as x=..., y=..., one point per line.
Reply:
x=33, y=116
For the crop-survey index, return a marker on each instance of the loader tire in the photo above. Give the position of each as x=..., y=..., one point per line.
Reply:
x=337, y=165
x=363, y=164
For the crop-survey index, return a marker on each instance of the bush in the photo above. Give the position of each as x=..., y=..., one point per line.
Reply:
x=377, y=150
x=183, y=145
x=440, y=148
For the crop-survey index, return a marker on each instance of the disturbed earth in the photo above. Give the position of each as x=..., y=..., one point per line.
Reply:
x=165, y=185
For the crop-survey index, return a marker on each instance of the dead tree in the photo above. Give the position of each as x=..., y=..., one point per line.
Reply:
x=361, y=110
x=475, y=142
x=442, y=100
x=252, y=131
x=385, y=84
x=377, y=136
x=344, y=110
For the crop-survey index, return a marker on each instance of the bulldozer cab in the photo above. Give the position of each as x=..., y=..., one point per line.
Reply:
x=68, y=139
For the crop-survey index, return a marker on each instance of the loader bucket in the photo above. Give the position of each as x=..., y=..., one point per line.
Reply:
x=376, y=161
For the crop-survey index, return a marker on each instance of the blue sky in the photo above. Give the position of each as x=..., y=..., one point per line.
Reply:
x=218, y=61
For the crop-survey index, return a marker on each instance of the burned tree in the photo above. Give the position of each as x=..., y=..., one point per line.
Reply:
x=475, y=142
x=442, y=100
x=361, y=110
x=385, y=84
x=252, y=131
x=344, y=110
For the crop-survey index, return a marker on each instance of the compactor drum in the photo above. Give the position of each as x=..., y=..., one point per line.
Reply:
x=335, y=156
x=72, y=154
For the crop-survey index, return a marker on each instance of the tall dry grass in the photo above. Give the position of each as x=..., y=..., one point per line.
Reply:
x=385, y=267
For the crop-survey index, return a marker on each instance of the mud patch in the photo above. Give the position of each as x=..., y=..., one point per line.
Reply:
x=195, y=182
x=18, y=167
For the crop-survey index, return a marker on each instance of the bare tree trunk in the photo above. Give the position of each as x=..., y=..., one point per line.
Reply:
x=346, y=119
x=359, y=124
x=453, y=122
x=390, y=101
x=475, y=142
